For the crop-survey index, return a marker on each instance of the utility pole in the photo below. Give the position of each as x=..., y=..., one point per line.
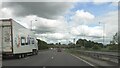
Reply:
x=32, y=23
x=2, y=38
x=83, y=35
x=74, y=42
x=103, y=32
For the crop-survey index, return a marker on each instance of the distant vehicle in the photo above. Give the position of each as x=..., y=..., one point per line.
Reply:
x=51, y=48
x=59, y=50
x=16, y=40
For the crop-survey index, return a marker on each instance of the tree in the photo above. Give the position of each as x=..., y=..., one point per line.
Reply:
x=96, y=47
x=112, y=47
x=88, y=44
x=59, y=43
x=42, y=44
x=114, y=42
x=115, y=39
x=80, y=42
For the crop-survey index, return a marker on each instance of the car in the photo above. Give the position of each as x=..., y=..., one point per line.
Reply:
x=59, y=50
x=51, y=48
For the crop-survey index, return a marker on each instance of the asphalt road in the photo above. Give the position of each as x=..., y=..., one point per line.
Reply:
x=0, y=59
x=47, y=58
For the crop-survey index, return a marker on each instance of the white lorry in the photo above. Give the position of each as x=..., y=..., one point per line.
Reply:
x=16, y=40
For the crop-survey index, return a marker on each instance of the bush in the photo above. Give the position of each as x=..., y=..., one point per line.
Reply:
x=42, y=44
x=113, y=47
x=96, y=47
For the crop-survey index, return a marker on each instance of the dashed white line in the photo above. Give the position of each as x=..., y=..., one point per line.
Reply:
x=52, y=57
x=44, y=67
x=83, y=60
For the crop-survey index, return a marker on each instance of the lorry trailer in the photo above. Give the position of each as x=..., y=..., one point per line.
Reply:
x=16, y=40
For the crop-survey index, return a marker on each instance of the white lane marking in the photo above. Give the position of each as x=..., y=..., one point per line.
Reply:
x=83, y=60
x=27, y=58
x=52, y=57
x=39, y=52
x=44, y=67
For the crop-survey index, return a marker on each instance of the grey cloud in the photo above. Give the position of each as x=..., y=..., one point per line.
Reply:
x=50, y=10
x=42, y=30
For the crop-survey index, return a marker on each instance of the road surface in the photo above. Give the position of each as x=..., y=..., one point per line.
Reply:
x=47, y=58
x=0, y=59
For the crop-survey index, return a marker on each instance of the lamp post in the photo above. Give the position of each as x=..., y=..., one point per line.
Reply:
x=74, y=42
x=83, y=34
x=103, y=32
x=2, y=38
x=32, y=23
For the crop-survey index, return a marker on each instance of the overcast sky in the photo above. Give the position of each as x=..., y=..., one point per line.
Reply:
x=63, y=21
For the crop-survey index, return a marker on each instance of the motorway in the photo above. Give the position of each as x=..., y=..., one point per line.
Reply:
x=47, y=58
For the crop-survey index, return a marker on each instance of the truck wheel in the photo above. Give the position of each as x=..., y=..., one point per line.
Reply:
x=19, y=56
x=36, y=52
x=23, y=55
x=33, y=52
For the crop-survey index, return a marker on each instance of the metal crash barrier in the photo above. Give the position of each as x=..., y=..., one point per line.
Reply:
x=109, y=56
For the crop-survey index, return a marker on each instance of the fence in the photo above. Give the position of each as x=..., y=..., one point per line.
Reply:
x=109, y=56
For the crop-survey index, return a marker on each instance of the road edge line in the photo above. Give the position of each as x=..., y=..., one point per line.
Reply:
x=83, y=60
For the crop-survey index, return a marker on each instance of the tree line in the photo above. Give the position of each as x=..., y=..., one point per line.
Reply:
x=83, y=44
x=42, y=44
x=88, y=44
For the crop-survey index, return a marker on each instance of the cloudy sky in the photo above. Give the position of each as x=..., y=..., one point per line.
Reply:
x=63, y=21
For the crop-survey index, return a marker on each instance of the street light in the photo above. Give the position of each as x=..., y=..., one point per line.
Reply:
x=2, y=39
x=83, y=34
x=103, y=32
x=31, y=23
